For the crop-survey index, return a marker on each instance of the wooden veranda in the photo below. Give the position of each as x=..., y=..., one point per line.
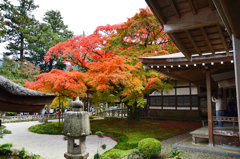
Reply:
x=198, y=27
x=207, y=71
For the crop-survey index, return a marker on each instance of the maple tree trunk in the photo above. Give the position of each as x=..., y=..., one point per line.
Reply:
x=50, y=65
x=134, y=112
x=45, y=66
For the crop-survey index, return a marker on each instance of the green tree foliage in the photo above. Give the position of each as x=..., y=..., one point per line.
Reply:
x=45, y=36
x=20, y=23
x=55, y=20
x=18, y=71
x=3, y=30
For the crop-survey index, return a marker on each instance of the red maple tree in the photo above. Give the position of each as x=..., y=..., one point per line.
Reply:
x=107, y=63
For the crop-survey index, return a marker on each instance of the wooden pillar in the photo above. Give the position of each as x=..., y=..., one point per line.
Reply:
x=224, y=99
x=162, y=98
x=190, y=92
x=199, y=102
x=209, y=108
x=236, y=51
x=175, y=95
x=230, y=96
x=219, y=91
x=230, y=93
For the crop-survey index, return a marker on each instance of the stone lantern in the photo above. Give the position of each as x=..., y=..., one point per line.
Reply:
x=76, y=128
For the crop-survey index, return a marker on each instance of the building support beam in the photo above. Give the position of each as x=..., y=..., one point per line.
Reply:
x=207, y=40
x=192, y=7
x=174, y=8
x=236, y=51
x=188, y=21
x=209, y=108
x=193, y=42
x=223, y=39
x=180, y=46
x=224, y=99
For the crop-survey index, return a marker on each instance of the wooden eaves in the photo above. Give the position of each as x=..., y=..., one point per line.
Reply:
x=194, y=25
x=15, y=98
x=178, y=67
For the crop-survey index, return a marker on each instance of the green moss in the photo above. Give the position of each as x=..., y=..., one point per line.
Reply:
x=132, y=134
x=47, y=128
x=115, y=153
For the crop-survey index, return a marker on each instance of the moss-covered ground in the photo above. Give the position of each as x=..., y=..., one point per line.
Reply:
x=127, y=133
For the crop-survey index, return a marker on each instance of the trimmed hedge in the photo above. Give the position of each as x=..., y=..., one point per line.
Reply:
x=149, y=147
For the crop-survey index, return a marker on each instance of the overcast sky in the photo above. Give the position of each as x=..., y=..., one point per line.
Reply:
x=86, y=15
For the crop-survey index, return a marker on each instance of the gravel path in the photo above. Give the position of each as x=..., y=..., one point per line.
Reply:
x=48, y=146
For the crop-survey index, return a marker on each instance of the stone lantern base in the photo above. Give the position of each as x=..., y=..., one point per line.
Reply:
x=76, y=156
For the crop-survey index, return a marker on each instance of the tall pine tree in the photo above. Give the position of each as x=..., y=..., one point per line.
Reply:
x=20, y=22
x=3, y=30
x=45, y=36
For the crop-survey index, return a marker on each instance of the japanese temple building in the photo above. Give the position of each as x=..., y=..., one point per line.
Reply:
x=188, y=98
x=15, y=98
x=207, y=34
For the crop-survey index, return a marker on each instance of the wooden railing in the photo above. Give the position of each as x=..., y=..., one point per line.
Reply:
x=112, y=113
x=226, y=119
x=30, y=117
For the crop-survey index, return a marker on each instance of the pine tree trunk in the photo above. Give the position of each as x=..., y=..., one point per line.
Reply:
x=21, y=50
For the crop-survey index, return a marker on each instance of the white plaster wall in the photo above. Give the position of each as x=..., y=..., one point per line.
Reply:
x=170, y=92
x=183, y=91
x=194, y=90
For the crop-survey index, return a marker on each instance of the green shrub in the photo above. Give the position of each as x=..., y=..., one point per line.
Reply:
x=149, y=147
x=135, y=154
x=45, y=120
x=35, y=157
x=104, y=146
x=177, y=154
x=22, y=153
x=99, y=133
x=5, y=131
x=97, y=156
x=5, y=149
x=11, y=114
x=2, y=127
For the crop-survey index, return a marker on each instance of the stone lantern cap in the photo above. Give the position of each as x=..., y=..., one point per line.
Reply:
x=77, y=103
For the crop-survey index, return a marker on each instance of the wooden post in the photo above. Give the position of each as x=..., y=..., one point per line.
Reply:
x=62, y=110
x=230, y=93
x=236, y=51
x=219, y=91
x=122, y=119
x=209, y=108
x=59, y=111
x=190, y=93
x=175, y=95
x=224, y=99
